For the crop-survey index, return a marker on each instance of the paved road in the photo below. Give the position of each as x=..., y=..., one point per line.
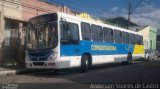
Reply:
x=138, y=72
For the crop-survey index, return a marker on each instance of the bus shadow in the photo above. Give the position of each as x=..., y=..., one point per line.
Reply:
x=73, y=71
x=111, y=71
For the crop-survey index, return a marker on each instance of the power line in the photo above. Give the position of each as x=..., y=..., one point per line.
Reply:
x=115, y=24
x=131, y=10
x=72, y=7
x=97, y=7
x=24, y=5
x=45, y=10
x=27, y=5
x=83, y=5
x=62, y=4
x=138, y=4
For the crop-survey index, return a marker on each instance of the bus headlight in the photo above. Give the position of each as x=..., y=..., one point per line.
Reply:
x=52, y=57
x=27, y=58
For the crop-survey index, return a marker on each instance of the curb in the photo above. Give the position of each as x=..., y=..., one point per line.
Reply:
x=21, y=71
x=12, y=72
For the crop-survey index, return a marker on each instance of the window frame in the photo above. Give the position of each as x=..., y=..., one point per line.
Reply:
x=69, y=41
x=116, y=38
x=106, y=29
x=126, y=34
x=141, y=40
x=131, y=39
x=93, y=33
x=90, y=37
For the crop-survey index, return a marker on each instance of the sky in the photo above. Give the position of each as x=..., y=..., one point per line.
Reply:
x=145, y=12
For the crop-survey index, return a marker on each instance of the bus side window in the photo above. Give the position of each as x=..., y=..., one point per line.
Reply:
x=108, y=34
x=125, y=37
x=131, y=38
x=69, y=32
x=138, y=39
x=117, y=36
x=141, y=40
x=86, y=32
x=97, y=33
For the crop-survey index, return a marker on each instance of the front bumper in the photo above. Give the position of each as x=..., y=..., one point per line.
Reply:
x=40, y=65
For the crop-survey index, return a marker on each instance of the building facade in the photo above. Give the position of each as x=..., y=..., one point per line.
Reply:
x=158, y=43
x=14, y=15
x=33, y=8
x=149, y=36
x=11, y=20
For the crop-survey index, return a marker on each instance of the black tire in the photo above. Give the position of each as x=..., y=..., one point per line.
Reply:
x=84, y=64
x=148, y=58
x=129, y=58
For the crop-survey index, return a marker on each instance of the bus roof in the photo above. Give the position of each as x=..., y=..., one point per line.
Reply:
x=68, y=16
x=64, y=15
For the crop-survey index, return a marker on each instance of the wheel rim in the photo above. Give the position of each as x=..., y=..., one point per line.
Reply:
x=86, y=63
x=129, y=60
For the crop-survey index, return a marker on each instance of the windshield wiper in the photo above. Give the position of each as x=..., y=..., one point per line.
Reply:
x=36, y=31
x=42, y=28
x=32, y=26
x=33, y=29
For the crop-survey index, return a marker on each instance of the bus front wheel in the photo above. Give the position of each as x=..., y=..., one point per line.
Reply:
x=84, y=64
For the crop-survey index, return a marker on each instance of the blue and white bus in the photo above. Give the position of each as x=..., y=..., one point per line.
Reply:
x=58, y=40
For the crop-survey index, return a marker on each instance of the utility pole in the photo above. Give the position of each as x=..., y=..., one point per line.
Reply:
x=131, y=10
x=129, y=13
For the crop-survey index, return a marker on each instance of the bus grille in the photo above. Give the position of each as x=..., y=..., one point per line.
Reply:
x=40, y=56
x=38, y=59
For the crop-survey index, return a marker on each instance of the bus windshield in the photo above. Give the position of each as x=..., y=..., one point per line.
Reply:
x=41, y=36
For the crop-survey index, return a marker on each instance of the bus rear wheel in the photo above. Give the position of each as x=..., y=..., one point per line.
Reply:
x=129, y=58
x=84, y=64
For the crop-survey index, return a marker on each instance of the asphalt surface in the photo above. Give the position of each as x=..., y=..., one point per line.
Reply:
x=137, y=72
